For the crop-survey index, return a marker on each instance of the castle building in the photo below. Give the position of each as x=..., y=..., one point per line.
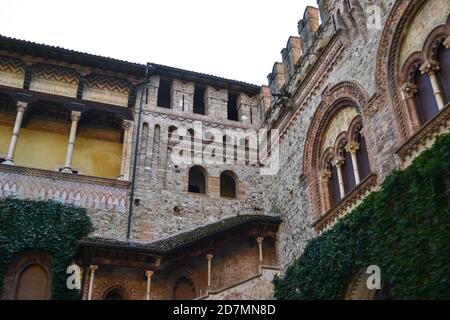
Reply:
x=200, y=187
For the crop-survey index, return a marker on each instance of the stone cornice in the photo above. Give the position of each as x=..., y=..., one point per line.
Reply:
x=190, y=118
x=346, y=204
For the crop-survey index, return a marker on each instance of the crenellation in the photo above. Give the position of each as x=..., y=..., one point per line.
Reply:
x=182, y=95
x=216, y=102
x=276, y=78
x=290, y=55
x=307, y=27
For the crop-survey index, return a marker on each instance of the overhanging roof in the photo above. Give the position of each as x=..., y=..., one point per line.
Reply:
x=120, y=66
x=202, y=233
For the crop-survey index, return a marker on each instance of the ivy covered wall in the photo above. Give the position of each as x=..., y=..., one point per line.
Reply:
x=46, y=226
x=404, y=229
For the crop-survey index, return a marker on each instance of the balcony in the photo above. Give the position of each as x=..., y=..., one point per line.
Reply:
x=85, y=191
x=347, y=204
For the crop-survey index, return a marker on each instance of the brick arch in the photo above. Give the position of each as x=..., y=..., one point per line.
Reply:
x=123, y=292
x=104, y=285
x=435, y=40
x=20, y=264
x=333, y=100
x=187, y=273
x=388, y=70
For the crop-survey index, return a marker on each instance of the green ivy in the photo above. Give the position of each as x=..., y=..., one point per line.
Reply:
x=404, y=229
x=42, y=225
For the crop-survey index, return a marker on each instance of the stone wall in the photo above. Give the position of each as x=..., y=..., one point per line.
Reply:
x=166, y=207
x=344, y=58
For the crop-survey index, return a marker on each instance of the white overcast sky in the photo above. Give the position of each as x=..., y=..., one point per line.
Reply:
x=236, y=39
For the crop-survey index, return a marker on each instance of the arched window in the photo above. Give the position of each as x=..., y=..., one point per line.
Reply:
x=228, y=184
x=347, y=168
x=115, y=294
x=443, y=57
x=427, y=105
x=184, y=289
x=197, y=180
x=345, y=159
x=33, y=283
x=333, y=182
x=362, y=157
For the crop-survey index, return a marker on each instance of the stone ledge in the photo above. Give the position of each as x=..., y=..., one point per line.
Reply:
x=348, y=203
x=60, y=176
x=424, y=136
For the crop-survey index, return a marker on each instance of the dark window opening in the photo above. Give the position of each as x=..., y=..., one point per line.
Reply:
x=228, y=185
x=334, y=186
x=100, y=120
x=197, y=180
x=362, y=158
x=443, y=57
x=49, y=111
x=114, y=294
x=232, y=107
x=428, y=107
x=164, y=93
x=184, y=289
x=349, y=173
x=199, y=100
x=6, y=104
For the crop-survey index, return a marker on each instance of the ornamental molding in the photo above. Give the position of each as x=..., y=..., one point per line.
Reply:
x=345, y=93
x=190, y=120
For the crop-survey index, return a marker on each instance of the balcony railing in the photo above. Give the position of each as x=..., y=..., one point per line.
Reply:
x=85, y=191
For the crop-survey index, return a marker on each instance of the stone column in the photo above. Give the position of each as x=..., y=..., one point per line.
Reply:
x=21, y=108
x=326, y=175
x=75, y=116
x=93, y=269
x=409, y=91
x=126, y=150
x=149, y=275
x=353, y=147
x=447, y=43
x=260, y=244
x=209, y=258
x=430, y=67
x=338, y=162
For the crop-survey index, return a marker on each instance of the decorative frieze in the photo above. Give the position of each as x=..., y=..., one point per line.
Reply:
x=54, y=80
x=84, y=191
x=12, y=72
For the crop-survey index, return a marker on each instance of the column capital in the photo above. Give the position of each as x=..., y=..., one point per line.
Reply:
x=93, y=268
x=75, y=116
x=409, y=90
x=447, y=42
x=352, y=147
x=22, y=106
x=429, y=67
x=260, y=240
x=149, y=273
x=127, y=124
x=338, y=161
x=209, y=257
x=326, y=175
